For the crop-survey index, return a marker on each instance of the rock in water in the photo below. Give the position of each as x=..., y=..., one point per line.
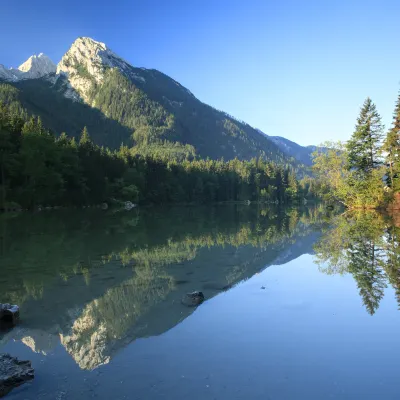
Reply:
x=129, y=205
x=193, y=299
x=9, y=312
x=13, y=373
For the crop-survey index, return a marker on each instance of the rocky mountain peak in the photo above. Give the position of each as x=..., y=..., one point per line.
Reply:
x=37, y=66
x=85, y=61
x=92, y=55
x=7, y=74
x=34, y=67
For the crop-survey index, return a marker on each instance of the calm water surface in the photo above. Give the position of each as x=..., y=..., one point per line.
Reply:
x=300, y=303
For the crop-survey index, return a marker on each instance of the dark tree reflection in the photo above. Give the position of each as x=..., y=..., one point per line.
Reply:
x=366, y=245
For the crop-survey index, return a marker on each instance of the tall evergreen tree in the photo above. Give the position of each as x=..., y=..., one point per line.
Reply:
x=85, y=138
x=392, y=148
x=364, y=146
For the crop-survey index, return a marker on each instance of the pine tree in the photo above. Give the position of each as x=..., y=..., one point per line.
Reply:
x=293, y=186
x=39, y=126
x=364, y=146
x=85, y=138
x=392, y=147
x=30, y=126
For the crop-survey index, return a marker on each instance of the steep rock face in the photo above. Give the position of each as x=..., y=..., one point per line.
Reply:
x=13, y=373
x=85, y=63
x=7, y=74
x=36, y=66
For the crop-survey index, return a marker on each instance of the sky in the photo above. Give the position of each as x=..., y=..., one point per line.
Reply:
x=300, y=69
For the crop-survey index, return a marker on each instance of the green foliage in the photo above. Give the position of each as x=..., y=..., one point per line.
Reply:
x=331, y=173
x=364, y=146
x=142, y=107
x=366, y=246
x=120, y=100
x=85, y=140
x=165, y=151
x=211, y=132
x=367, y=192
x=336, y=182
x=68, y=243
x=83, y=72
x=353, y=173
x=74, y=249
x=60, y=114
x=392, y=148
x=40, y=169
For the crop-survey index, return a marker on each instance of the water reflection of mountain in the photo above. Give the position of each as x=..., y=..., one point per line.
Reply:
x=95, y=283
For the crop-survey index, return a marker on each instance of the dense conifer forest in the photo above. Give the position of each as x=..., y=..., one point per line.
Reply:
x=41, y=169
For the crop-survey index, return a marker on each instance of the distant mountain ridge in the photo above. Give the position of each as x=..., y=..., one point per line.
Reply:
x=301, y=153
x=92, y=86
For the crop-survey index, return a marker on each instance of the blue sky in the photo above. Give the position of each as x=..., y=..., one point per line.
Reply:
x=299, y=69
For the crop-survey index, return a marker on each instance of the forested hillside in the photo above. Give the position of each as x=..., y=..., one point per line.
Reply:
x=94, y=129
x=38, y=169
x=123, y=113
x=60, y=114
x=121, y=104
x=302, y=154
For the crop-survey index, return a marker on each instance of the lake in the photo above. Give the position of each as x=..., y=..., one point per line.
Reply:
x=299, y=303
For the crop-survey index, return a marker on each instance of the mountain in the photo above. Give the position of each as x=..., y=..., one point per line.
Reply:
x=7, y=74
x=92, y=86
x=293, y=149
x=301, y=153
x=34, y=67
x=37, y=66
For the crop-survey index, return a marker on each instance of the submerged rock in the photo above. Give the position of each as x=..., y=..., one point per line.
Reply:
x=13, y=373
x=129, y=205
x=193, y=299
x=9, y=313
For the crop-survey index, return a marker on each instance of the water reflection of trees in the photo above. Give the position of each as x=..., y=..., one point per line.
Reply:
x=134, y=267
x=366, y=245
x=37, y=249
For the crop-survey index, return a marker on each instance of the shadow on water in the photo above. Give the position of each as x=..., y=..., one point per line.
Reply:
x=365, y=245
x=96, y=281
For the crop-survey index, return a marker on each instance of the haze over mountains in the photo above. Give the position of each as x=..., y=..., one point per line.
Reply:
x=92, y=86
x=300, y=153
